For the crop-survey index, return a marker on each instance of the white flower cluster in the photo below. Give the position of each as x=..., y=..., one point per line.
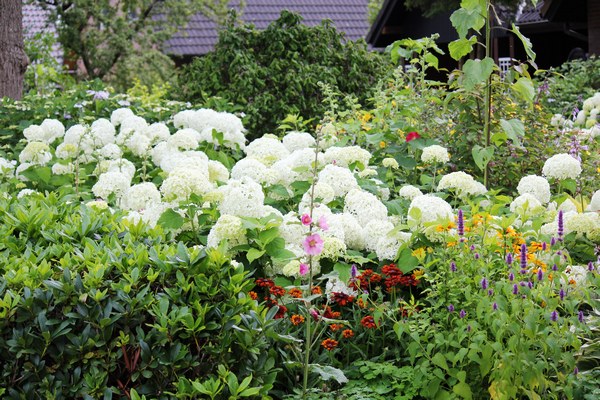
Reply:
x=462, y=183
x=428, y=208
x=435, y=154
x=341, y=180
x=298, y=140
x=588, y=115
x=594, y=202
x=35, y=153
x=230, y=228
x=535, y=185
x=526, y=203
x=111, y=183
x=562, y=166
x=409, y=192
x=47, y=132
x=364, y=206
x=141, y=196
x=182, y=182
x=204, y=121
x=267, y=150
x=345, y=156
x=7, y=167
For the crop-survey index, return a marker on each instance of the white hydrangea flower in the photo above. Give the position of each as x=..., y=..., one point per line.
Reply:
x=138, y=144
x=255, y=170
x=109, y=152
x=63, y=169
x=111, y=182
x=431, y=209
x=323, y=193
x=583, y=223
x=129, y=126
x=538, y=186
x=74, y=134
x=567, y=205
x=345, y=156
x=333, y=248
x=291, y=269
x=217, y=172
x=157, y=132
x=463, y=183
x=97, y=204
x=102, y=132
x=374, y=230
x=122, y=165
x=242, y=197
x=230, y=228
x=354, y=235
x=328, y=135
x=409, y=192
x=184, y=139
x=37, y=153
x=53, y=129
x=388, y=245
x=183, y=182
x=562, y=166
x=526, y=204
x=160, y=152
x=140, y=196
x=119, y=115
x=20, y=168
x=298, y=140
x=26, y=192
x=187, y=119
x=188, y=159
x=7, y=167
x=205, y=120
x=340, y=179
x=34, y=133
x=367, y=172
x=297, y=166
x=364, y=206
x=291, y=229
x=267, y=150
x=594, y=202
x=435, y=154
x=390, y=163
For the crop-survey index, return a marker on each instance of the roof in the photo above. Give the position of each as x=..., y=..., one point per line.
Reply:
x=201, y=34
x=36, y=21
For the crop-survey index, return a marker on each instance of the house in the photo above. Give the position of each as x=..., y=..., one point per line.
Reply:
x=35, y=23
x=201, y=34
x=556, y=28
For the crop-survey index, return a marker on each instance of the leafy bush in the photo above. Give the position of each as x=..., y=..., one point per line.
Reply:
x=564, y=87
x=275, y=72
x=91, y=307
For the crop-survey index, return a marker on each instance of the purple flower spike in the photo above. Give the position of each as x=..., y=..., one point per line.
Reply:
x=544, y=246
x=580, y=316
x=523, y=256
x=561, y=294
x=511, y=277
x=530, y=285
x=462, y=314
x=472, y=247
x=495, y=306
x=477, y=256
x=575, y=371
x=484, y=283
x=451, y=308
x=561, y=225
x=554, y=268
x=461, y=223
x=590, y=266
x=453, y=266
x=491, y=292
x=552, y=241
x=515, y=289
x=468, y=328
x=540, y=274
x=353, y=271
x=554, y=316
x=509, y=258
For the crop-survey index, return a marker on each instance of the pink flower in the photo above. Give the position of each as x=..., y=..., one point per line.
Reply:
x=323, y=223
x=303, y=269
x=306, y=220
x=313, y=244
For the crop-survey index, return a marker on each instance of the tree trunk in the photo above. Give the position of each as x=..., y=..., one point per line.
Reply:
x=593, y=16
x=13, y=60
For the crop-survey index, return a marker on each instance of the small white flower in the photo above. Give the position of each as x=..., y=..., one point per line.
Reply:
x=562, y=166
x=537, y=186
x=390, y=163
x=409, y=192
x=435, y=154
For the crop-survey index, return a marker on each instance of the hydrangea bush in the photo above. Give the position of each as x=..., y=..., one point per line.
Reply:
x=371, y=253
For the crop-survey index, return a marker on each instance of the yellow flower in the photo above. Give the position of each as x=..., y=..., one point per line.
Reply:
x=419, y=253
x=382, y=145
x=418, y=273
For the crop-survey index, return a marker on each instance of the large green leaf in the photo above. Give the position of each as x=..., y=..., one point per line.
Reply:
x=524, y=89
x=327, y=372
x=464, y=19
x=461, y=47
x=514, y=129
x=477, y=71
x=482, y=156
x=526, y=44
x=170, y=219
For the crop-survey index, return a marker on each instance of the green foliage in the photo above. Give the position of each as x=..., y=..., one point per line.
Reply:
x=566, y=86
x=104, y=34
x=91, y=307
x=275, y=72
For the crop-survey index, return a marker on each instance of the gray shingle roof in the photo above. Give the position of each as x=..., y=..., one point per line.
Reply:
x=348, y=16
x=35, y=20
x=531, y=14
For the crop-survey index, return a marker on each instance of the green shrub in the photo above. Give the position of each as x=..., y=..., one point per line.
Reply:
x=94, y=308
x=570, y=84
x=275, y=72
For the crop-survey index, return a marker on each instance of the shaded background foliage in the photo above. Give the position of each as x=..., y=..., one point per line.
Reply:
x=275, y=72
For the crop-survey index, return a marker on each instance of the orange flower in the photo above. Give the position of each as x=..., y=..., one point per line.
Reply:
x=295, y=293
x=316, y=290
x=277, y=291
x=361, y=303
x=329, y=344
x=253, y=295
x=368, y=322
x=347, y=333
x=335, y=327
x=297, y=319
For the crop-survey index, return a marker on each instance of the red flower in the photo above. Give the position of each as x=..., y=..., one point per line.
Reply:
x=412, y=136
x=329, y=344
x=295, y=293
x=281, y=312
x=330, y=314
x=297, y=319
x=263, y=282
x=341, y=298
x=277, y=291
x=347, y=333
x=368, y=322
x=335, y=327
x=253, y=295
